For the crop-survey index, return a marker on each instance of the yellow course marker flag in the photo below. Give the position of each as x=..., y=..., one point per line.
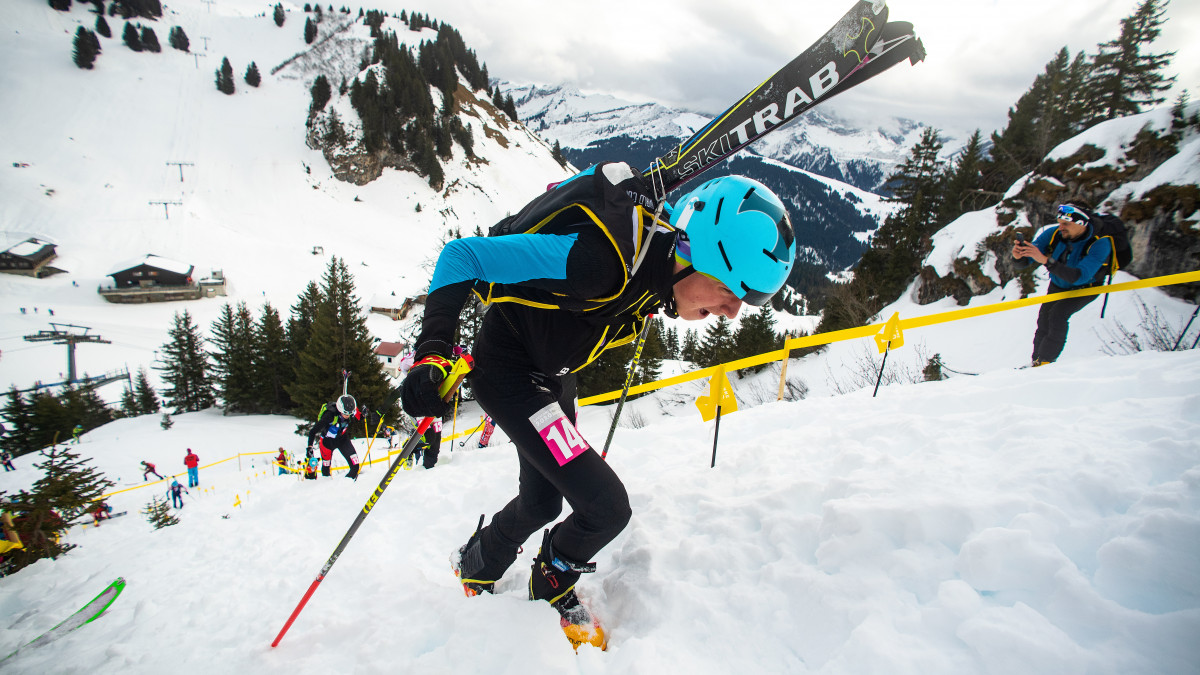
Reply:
x=720, y=393
x=890, y=336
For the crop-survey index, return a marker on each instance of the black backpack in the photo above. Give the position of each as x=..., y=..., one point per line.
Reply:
x=1108, y=225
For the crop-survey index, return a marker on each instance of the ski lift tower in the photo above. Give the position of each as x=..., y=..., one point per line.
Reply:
x=60, y=336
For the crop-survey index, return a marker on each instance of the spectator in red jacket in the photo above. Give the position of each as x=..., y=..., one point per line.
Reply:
x=192, y=462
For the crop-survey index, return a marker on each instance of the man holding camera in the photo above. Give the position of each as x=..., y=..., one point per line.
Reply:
x=1072, y=264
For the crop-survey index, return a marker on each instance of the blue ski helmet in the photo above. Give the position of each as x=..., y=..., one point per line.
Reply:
x=739, y=232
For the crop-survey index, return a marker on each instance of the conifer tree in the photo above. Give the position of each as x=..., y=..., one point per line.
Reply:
x=85, y=48
x=1125, y=81
x=158, y=513
x=225, y=78
x=128, y=403
x=672, y=343
x=131, y=37
x=147, y=399
x=964, y=184
x=321, y=93
x=61, y=5
x=178, y=39
x=253, y=78
x=299, y=326
x=687, y=351
x=310, y=31
x=166, y=422
x=898, y=248
x=1054, y=109
x=42, y=514
x=756, y=335
x=150, y=40
x=279, y=15
x=272, y=362
x=185, y=368
x=339, y=341
x=717, y=346
x=102, y=26
x=653, y=353
x=556, y=153
x=233, y=358
x=18, y=419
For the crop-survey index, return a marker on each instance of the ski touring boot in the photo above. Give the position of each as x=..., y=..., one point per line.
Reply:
x=553, y=580
x=469, y=557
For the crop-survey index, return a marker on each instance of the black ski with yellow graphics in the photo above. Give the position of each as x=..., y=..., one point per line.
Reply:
x=859, y=46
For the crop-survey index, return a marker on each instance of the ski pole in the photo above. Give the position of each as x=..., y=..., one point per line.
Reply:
x=637, y=354
x=453, y=379
x=475, y=431
x=1185, y=329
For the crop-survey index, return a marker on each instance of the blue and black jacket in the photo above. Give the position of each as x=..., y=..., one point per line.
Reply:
x=579, y=273
x=1075, y=263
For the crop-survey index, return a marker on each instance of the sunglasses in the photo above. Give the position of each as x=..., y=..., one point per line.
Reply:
x=1068, y=212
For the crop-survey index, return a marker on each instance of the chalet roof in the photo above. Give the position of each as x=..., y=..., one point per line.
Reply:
x=152, y=260
x=28, y=248
x=389, y=348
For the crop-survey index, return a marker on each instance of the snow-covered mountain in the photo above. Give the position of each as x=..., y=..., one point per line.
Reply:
x=829, y=170
x=821, y=141
x=87, y=164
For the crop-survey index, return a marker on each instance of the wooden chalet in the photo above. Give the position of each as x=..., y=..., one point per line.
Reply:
x=152, y=278
x=29, y=258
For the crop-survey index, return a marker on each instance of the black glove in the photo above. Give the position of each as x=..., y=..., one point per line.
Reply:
x=419, y=393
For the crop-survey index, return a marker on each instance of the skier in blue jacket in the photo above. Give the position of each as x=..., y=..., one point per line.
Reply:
x=589, y=266
x=1074, y=261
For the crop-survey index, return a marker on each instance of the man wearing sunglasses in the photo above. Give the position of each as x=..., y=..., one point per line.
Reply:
x=1073, y=261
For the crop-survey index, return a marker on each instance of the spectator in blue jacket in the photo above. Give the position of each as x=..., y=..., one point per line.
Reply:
x=1072, y=264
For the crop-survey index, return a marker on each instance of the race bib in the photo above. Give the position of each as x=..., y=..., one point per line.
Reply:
x=559, y=435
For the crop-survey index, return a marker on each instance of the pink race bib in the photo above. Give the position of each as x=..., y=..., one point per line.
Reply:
x=559, y=435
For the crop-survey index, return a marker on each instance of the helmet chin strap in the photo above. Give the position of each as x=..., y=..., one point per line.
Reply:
x=681, y=253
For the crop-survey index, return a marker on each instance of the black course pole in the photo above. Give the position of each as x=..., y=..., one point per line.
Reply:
x=716, y=432
x=1185, y=330
x=881, y=365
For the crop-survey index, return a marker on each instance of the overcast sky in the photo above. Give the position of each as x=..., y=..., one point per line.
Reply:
x=704, y=54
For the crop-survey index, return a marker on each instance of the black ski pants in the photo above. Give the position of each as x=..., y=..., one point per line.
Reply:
x=429, y=459
x=530, y=407
x=344, y=445
x=1051, y=334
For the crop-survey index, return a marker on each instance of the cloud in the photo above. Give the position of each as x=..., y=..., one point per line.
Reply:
x=704, y=54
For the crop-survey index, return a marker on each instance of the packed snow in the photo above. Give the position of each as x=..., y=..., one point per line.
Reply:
x=1033, y=521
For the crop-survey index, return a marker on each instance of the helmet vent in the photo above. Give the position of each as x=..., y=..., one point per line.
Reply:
x=721, y=248
x=717, y=218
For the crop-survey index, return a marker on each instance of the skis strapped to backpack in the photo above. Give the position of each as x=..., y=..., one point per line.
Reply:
x=859, y=46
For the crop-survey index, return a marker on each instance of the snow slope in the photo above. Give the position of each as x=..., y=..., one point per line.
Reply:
x=1031, y=521
x=253, y=203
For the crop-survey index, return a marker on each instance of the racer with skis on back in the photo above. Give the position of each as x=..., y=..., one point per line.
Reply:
x=572, y=280
x=332, y=430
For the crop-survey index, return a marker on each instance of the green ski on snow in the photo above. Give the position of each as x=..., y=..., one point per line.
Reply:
x=86, y=614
